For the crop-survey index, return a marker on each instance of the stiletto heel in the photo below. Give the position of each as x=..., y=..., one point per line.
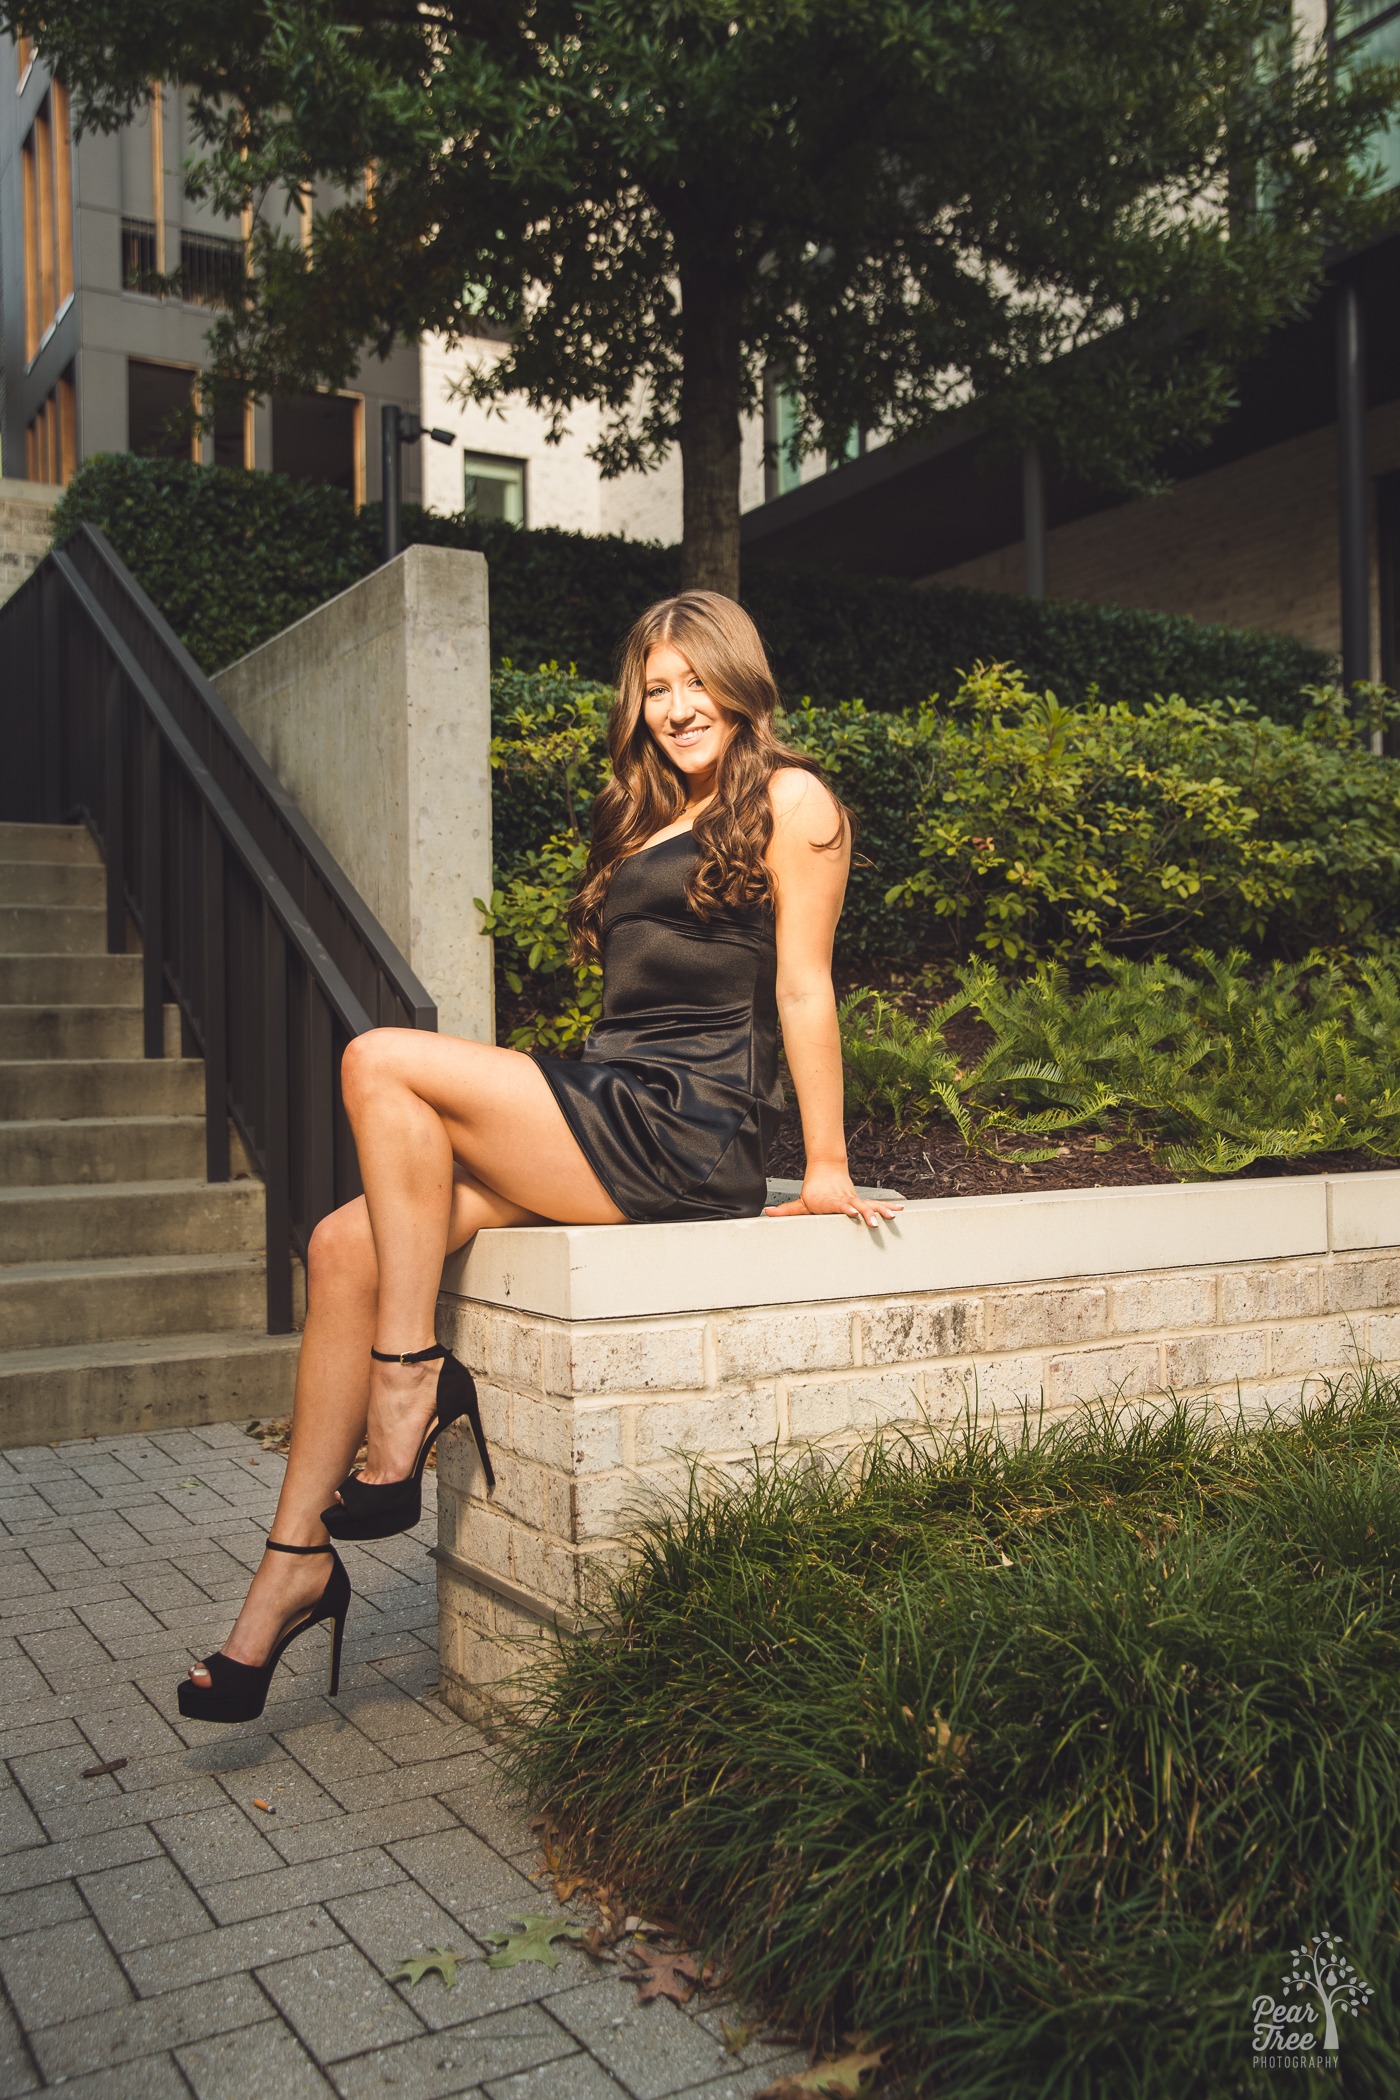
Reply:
x=238, y=1691
x=380, y=1509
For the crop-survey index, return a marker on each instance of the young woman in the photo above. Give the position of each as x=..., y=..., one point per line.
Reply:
x=713, y=886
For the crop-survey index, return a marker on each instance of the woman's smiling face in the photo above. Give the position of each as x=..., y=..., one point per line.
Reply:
x=689, y=724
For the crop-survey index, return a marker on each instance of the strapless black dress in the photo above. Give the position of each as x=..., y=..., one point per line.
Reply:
x=676, y=1097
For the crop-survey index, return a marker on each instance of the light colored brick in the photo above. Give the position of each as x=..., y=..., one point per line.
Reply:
x=1128, y=1372
x=829, y=1406
x=1217, y=1358
x=732, y=1422
x=977, y=1390
x=463, y=1326
x=764, y=1345
x=1316, y=1345
x=597, y=1439
x=626, y=1357
x=610, y=1505
x=1040, y=1319
x=514, y=1352
x=1269, y=1291
x=1357, y=1286
x=905, y=1330
x=1383, y=1338
x=1148, y=1303
x=544, y=1567
x=542, y=1431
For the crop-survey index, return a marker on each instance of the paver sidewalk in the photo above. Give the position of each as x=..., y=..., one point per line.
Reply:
x=161, y=1935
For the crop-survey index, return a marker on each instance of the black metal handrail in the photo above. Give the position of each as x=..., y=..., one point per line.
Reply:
x=247, y=923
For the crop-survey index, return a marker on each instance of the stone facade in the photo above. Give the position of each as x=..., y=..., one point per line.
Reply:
x=26, y=508
x=589, y=1417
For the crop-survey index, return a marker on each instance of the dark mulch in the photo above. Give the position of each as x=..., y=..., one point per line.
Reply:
x=936, y=1162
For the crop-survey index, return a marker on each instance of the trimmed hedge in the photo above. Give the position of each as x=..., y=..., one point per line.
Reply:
x=231, y=558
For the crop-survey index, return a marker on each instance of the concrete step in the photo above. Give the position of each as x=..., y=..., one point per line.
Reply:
x=80, y=1222
x=103, y=1149
x=43, y=1303
x=70, y=980
x=70, y=842
x=55, y=1089
x=52, y=882
x=52, y=929
x=170, y=1382
x=70, y=1032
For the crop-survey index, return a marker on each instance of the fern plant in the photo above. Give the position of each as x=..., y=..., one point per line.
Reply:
x=1219, y=1065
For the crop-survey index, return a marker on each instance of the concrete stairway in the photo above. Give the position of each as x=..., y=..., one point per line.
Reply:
x=131, y=1290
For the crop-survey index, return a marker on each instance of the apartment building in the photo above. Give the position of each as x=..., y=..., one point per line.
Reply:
x=96, y=356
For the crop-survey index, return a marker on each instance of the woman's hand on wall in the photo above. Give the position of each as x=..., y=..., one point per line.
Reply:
x=829, y=1191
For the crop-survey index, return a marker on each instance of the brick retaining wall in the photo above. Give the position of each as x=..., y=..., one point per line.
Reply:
x=25, y=510
x=1236, y=1293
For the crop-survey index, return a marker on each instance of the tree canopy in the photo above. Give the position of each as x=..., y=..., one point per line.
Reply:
x=1073, y=218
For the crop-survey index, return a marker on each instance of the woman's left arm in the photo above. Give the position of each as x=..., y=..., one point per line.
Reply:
x=809, y=866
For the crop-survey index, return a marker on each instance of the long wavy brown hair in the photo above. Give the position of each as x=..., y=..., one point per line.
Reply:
x=647, y=792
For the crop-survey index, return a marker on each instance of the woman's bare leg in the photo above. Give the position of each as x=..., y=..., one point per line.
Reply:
x=344, y=1291
x=416, y=1103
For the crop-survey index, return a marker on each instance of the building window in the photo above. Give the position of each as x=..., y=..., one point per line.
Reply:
x=51, y=441
x=1366, y=30
x=493, y=487
x=233, y=434
x=24, y=54
x=139, y=272
x=160, y=410
x=48, y=218
x=212, y=268
x=320, y=437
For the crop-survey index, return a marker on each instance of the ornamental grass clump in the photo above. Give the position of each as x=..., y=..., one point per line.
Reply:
x=1033, y=1759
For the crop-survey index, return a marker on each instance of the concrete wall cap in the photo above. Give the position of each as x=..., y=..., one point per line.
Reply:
x=602, y=1272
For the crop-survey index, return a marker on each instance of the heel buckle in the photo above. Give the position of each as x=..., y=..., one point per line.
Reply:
x=408, y=1356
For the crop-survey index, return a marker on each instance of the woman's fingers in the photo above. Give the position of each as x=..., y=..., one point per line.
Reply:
x=871, y=1214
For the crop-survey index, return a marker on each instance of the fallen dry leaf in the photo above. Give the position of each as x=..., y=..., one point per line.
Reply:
x=658, y=1975
x=531, y=1943
x=841, y=2078
x=113, y=1764
x=737, y=2034
x=567, y=1885
x=438, y=1962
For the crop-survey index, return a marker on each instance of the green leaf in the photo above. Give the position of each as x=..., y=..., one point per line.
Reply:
x=438, y=1962
x=532, y=1942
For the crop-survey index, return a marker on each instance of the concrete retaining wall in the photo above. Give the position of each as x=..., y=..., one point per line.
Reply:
x=26, y=508
x=375, y=712
x=603, y=1353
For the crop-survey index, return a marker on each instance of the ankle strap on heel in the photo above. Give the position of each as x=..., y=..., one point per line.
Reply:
x=408, y=1356
x=276, y=1546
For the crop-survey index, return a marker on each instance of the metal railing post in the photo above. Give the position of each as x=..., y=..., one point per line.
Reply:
x=275, y=1132
x=152, y=913
x=214, y=937
x=114, y=814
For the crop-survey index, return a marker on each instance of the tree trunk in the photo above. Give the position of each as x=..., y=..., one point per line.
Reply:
x=710, y=382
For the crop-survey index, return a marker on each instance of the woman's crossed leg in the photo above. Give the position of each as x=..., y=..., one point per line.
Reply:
x=452, y=1136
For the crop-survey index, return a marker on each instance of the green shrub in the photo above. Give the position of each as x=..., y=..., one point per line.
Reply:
x=229, y=557
x=1032, y=1761
x=1221, y=1066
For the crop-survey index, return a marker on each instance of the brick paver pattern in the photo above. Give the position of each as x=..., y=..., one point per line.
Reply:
x=161, y=1934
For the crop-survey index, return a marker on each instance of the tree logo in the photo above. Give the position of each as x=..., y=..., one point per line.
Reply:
x=1285, y=2036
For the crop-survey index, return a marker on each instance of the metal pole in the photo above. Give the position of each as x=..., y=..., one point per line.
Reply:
x=391, y=480
x=1353, y=537
x=1033, y=517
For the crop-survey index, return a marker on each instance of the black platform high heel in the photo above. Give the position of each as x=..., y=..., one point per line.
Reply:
x=379, y=1509
x=238, y=1691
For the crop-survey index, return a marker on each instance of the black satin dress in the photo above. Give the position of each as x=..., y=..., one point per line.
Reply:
x=676, y=1096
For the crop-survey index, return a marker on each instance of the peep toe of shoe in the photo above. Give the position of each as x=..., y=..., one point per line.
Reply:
x=238, y=1691
x=380, y=1509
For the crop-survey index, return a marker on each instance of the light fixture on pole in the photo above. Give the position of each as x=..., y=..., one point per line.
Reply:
x=399, y=427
